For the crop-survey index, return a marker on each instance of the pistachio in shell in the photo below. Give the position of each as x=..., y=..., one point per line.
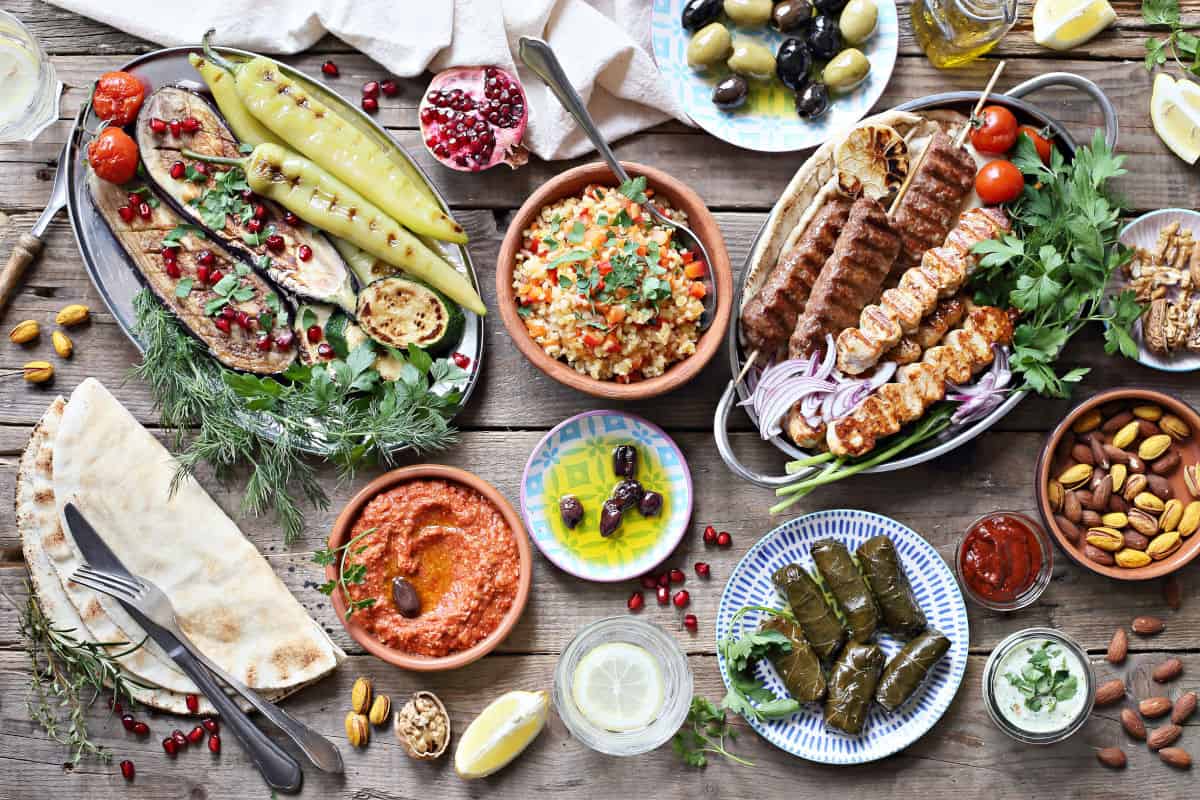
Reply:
x=423, y=726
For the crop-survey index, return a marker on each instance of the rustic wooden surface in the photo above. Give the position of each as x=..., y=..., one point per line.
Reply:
x=963, y=754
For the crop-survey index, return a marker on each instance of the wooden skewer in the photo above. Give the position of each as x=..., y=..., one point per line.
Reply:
x=987, y=90
x=746, y=367
x=908, y=181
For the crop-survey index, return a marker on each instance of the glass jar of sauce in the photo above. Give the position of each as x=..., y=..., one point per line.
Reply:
x=956, y=32
x=1004, y=561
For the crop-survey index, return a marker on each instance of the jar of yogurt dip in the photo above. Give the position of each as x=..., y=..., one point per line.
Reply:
x=1039, y=686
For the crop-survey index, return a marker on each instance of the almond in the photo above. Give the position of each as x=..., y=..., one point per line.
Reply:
x=1068, y=529
x=1160, y=487
x=1147, y=625
x=1090, y=518
x=1185, y=706
x=1118, y=648
x=1176, y=757
x=1161, y=737
x=1166, y=464
x=1072, y=509
x=1102, y=493
x=1083, y=454
x=1136, y=541
x=1116, y=422
x=1099, y=457
x=1168, y=670
x=1116, y=455
x=1118, y=503
x=1135, y=464
x=1112, y=757
x=1110, y=692
x=1102, y=557
x=1154, y=707
x=1055, y=495
x=1146, y=429
x=1133, y=724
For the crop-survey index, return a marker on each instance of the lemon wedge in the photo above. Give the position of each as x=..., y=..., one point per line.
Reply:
x=1175, y=112
x=619, y=687
x=1063, y=24
x=500, y=733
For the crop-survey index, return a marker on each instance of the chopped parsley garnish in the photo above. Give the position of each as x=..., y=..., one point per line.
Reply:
x=184, y=287
x=634, y=189
x=623, y=219
x=1043, y=684
x=570, y=256
x=194, y=175
x=576, y=234
x=176, y=234
x=224, y=199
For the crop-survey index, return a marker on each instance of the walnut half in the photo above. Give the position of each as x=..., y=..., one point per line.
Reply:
x=1154, y=327
x=423, y=726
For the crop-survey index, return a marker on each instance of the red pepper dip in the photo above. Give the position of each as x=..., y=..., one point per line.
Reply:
x=454, y=548
x=1000, y=558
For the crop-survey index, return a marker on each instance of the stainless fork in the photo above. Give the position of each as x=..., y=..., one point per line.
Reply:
x=154, y=604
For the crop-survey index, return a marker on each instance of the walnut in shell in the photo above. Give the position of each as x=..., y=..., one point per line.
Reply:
x=423, y=726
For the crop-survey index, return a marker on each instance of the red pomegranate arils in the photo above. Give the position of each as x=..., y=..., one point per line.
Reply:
x=690, y=622
x=229, y=312
x=254, y=225
x=314, y=333
x=214, y=743
x=389, y=88
x=205, y=258
x=176, y=127
x=473, y=118
x=702, y=569
x=127, y=770
x=677, y=576
x=331, y=69
x=125, y=213
x=370, y=105
x=275, y=243
x=193, y=703
x=170, y=746
x=127, y=721
x=260, y=211
x=649, y=582
x=304, y=252
x=724, y=539
x=710, y=535
x=283, y=340
x=134, y=199
x=190, y=125
x=664, y=579
x=141, y=728
x=370, y=89
x=263, y=343
x=158, y=125
x=290, y=218
x=195, y=735
x=144, y=210
x=179, y=737
x=681, y=598
x=210, y=725
x=664, y=595
x=461, y=360
x=325, y=350
x=635, y=602
x=223, y=324
x=216, y=275
x=202, y=274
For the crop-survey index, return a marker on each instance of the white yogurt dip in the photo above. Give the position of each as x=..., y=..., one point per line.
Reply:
x=1040, y=686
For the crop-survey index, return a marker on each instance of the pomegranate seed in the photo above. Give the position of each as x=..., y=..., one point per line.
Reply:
x=170, y=746
x=126, y=213
x=371, y=89
x=710, y=535
x=200, y=167
x=179, y=738
x=216, y=275
x=202, y=273
x=677, y=576
x=223, y=324
x=247, y=195
x=260, y=211
x=283, y=340
x=664, y=595
x=214, y=743
x=370, y=105
x=724, y=539
x=702, y=569
x=264, y=343
x=330, y=69
x=193, y=703
x=205, y=258
x=127, y=721
x=689, y=622
x=141, y=728
x=635, y=601
x=275, y=243
x=314, y=333
x=172, y=269
x=158, y=125
x=664, y=579
x=144, y=210
x=304, y=252
x=210, y=725
x=190, y=125
x=389, y=88
x=649, y=582
x=681, y=598
x=242, y=319
x=176, y=127
x=461, y=360
x=170, y=253
x=195, y=735
x=290, y=218
x=325, y=350
x=134, y=199
x=127, y=770
x=229, y=312
x=254, y=225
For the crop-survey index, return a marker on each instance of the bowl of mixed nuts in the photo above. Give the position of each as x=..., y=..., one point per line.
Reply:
x=1118, y=484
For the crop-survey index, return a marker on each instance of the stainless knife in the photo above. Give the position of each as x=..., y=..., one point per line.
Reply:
x=280, y=770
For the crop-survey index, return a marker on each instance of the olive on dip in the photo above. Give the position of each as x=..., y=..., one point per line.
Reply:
x=571, y=510
x=404, y=595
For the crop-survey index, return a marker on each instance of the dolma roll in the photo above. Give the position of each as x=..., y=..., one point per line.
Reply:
x=848, y=587
x=821, y=627
x=885, y=575
x=852, y=683
x=906, y=672
x=799, y=669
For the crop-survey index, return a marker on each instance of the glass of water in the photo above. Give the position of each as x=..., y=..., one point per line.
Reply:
x=29, y=89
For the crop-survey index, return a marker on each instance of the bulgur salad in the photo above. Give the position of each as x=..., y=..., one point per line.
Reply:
x=603, y=286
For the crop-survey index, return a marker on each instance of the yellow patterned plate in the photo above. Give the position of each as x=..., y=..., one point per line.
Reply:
x=576, y=458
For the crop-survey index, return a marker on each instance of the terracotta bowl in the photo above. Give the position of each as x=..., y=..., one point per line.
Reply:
x=1052, y=462
x=345, y=521
x=699, y=219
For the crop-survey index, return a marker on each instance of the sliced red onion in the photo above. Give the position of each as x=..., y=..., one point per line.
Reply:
x=986, y=394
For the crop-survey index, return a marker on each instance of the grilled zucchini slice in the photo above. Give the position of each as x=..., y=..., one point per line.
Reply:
x=398, y=312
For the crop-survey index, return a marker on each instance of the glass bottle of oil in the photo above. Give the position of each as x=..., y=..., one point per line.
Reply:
x=956, y=32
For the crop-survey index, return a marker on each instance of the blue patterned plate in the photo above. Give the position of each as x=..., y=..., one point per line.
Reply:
x=576, y=458
x=804, y=734
x=768, y=121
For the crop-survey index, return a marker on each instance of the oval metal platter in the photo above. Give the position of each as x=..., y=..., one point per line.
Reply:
x=109, y=267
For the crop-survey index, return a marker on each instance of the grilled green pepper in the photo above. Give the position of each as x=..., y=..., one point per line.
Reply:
x=244, y=126
x=319, y=198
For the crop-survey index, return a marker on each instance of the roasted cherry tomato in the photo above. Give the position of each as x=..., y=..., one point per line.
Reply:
x=113, y=155
x=994, y=130
x=1039, y=141
x=118, y=97
x=999, y=182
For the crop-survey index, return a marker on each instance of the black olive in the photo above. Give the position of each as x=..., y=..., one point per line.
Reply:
x=824, y=38
x=791, y=15
x=625, y=461
x=651, y=503
x=831, y=7
x=698, y=13
x=792, y=63
x=610, y=517
x=731, y=93
x=571, y=510
x=628, y=493
x=404, y=595
x=813, y=101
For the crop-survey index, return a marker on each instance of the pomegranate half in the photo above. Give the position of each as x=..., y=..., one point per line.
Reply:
x=473, y=118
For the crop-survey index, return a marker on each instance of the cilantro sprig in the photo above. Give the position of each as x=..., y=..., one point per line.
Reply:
x=705, y=731
x=1043, y=684
x=747, y=695
x=348, y=574
x=1180, y=45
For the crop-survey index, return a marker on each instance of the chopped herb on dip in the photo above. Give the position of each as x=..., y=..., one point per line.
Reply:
x=1038, y=686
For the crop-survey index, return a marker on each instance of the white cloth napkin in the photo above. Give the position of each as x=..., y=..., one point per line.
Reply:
x=604, y=46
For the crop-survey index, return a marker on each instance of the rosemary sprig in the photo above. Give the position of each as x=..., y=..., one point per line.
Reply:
x=347, y=574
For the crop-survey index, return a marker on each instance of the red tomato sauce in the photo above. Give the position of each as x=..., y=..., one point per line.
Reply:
x=1000, y=558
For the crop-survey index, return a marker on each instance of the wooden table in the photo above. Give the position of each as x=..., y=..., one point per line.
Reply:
x=964, y=755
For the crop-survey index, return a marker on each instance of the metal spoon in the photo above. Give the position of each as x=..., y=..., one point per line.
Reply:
x=538, y=56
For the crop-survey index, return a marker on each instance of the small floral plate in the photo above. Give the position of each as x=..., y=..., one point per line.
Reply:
x=768, y=121
x=576, y=458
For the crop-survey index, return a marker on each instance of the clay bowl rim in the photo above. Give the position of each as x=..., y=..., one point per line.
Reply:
x=345, y=521
x=700, y=220
x=1157, y=569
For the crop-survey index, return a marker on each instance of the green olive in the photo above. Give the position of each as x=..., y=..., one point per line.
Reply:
x=709, y=45
x=858, y=20
x=749, y=12
x=752, y=60
x=846, y=70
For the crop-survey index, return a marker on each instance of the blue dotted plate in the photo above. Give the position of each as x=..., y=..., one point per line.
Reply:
x=768, y=122
x=804, y=734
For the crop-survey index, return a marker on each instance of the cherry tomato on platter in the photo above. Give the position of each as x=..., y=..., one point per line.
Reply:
x=118, y=97
x=994, y=130
x=999, y=182
x=113, y=155
x=1041, y=142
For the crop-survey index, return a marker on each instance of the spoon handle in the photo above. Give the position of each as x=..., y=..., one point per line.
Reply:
x=538, y=56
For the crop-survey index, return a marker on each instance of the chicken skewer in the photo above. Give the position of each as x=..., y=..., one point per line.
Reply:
x=945, y=316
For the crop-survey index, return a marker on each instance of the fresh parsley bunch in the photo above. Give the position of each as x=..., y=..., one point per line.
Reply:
x=1179, y=44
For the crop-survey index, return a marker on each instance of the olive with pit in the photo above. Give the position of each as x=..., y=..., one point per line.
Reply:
x=813, y=101
x=709, y=45
x=824, y=40
x=571, y=510
x=628, y=493
x=752, y=59
x=404, y=596
x=858, y=20
x=829, y=6
x=748, y=13
x=731, y=93
x=846, y=70
x=792, y=64
x=625, y=461
x=791, y=15
x=610, y=517
x=650, y=504
x=698, y=13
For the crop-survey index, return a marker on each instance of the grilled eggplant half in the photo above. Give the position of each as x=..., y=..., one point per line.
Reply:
x=253, y=336
x=302, y=260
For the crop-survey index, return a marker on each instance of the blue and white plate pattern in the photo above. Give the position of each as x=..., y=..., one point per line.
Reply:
x=768, y=123
x=804, y=734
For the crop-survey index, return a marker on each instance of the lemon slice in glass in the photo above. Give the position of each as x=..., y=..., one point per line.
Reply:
x=1063, y=24
x=619, y=687
x=500, y=733
x=1175, y=112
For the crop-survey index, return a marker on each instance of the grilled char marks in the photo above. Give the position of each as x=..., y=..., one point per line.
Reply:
x=769, y=318
x=934, y=198
x=850, y=279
